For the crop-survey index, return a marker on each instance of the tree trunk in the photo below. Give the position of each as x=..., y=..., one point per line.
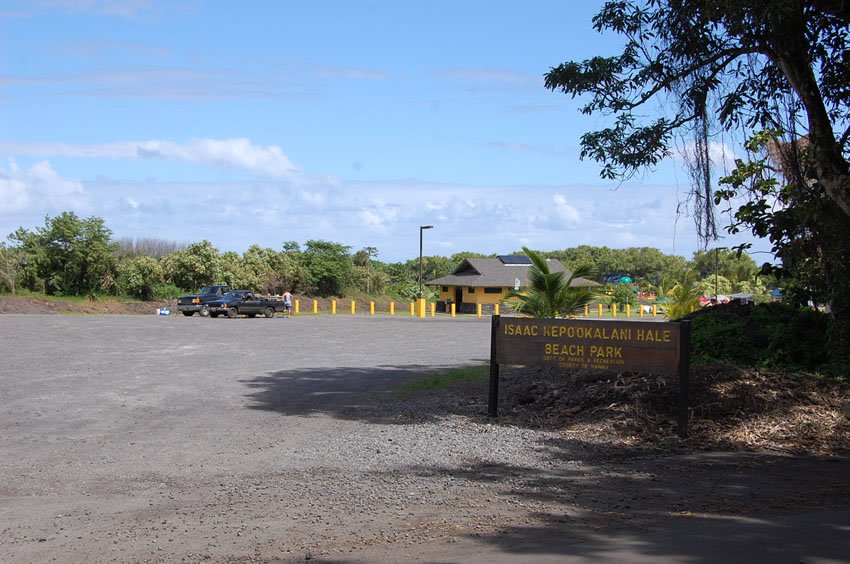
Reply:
x=790, y=53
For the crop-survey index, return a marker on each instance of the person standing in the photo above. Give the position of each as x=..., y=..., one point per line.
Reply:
x=287, y=304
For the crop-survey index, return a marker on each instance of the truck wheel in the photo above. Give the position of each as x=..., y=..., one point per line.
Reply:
x=205, y=311
x=188, y=313
x=231, y=313
x=269, y=312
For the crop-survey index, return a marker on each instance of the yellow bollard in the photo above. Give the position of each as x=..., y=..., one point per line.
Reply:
x=315, y=307
x=453, y=310
x=654, y=310
x=412, y=308
x=496, y=309
x=371, y=308
x=352, y=307
x=333, y=307
x=628, y=310
x=297, y=306
x=433, y=309
x=478, y=310
x=587, y=310
x=641, y=309
x=613, y=310
x=599, y=309
x=392, y=308
x=421, y=307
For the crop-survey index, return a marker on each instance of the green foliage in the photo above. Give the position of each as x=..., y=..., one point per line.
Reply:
x=641, y=263
x=323, y=267
x=714, y=66
x=10, y=265
x=449, y=378
x=140, y=277
x=196, y=266
x=744, y=62
x=68, y=256
x=550, y=294
x=685, y=296
x=166, y=291
x=713, y=286
x=809, y=233
x=623, y=295
x=770, y=335
x=662, y=286
x=329, y=267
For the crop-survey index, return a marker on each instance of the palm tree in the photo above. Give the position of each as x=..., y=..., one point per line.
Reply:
x=550, y=294
x=685, y=296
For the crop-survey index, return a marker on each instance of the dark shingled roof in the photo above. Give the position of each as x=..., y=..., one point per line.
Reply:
x=492, y=272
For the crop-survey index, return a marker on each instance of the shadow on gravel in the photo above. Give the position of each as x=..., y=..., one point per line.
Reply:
x=593, y=501
x=359, y=394
x=706, y=507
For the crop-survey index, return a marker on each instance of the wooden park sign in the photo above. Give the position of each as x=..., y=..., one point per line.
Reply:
x=661, y=347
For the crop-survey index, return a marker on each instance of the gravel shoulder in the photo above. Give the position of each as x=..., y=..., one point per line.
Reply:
x=161, y=439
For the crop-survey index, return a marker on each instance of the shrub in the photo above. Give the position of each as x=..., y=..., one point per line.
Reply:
x=771, y=335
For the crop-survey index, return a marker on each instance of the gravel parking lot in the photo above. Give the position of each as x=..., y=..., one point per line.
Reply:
x=162, y=439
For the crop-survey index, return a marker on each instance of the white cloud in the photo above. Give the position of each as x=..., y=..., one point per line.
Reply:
x=38, y=187
x=237, y=153
x=722, y=154
x=386, y=215
x=565, y=211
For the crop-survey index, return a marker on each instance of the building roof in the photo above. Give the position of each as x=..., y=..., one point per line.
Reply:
x=498, y=272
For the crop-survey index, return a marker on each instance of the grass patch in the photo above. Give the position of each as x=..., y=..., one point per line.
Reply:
x=448, y=378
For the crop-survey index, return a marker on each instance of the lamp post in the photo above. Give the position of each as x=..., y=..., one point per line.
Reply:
x=421, y=229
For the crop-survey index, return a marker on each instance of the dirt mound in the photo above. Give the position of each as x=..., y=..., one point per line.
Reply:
x=730, y=409
x=20, y=304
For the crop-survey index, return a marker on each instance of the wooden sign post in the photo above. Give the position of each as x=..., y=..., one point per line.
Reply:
x=625, y=346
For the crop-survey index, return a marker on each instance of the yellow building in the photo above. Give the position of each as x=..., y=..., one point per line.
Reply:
x=487, y=281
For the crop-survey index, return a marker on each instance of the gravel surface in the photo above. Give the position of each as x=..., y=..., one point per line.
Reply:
x=162, y=439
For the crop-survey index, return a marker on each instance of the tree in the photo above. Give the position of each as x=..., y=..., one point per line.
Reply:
x=68, y=256
x=363, y=262
x=623, y=295
x=10, y=263
x=140, y=277
x=732, y=66
x=685, y=296
x=808, y=231
x=551, y=294
x=748, y=62
x=329, y=266
x=725, y=262
x=198, y=265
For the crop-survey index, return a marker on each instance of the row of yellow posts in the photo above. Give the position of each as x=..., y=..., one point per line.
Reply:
x=420, y=308
x=653, y=312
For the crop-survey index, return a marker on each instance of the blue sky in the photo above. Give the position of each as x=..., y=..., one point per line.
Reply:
x=355, y=122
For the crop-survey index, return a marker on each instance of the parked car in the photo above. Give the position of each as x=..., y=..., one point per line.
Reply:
x=199, y=303
x=244, y=302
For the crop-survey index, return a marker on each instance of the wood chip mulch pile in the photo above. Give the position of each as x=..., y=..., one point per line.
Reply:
x=731, y=409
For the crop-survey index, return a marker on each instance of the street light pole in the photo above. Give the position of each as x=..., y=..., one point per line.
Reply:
x=421, y=229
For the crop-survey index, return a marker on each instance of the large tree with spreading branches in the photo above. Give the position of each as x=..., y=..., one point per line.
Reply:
x=735, y=67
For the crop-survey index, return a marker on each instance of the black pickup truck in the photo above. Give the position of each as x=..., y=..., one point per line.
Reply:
x=243, y=302
x=199, y=303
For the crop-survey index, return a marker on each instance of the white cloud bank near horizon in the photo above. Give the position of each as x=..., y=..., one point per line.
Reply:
x=238, y=153
x=269, y=210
